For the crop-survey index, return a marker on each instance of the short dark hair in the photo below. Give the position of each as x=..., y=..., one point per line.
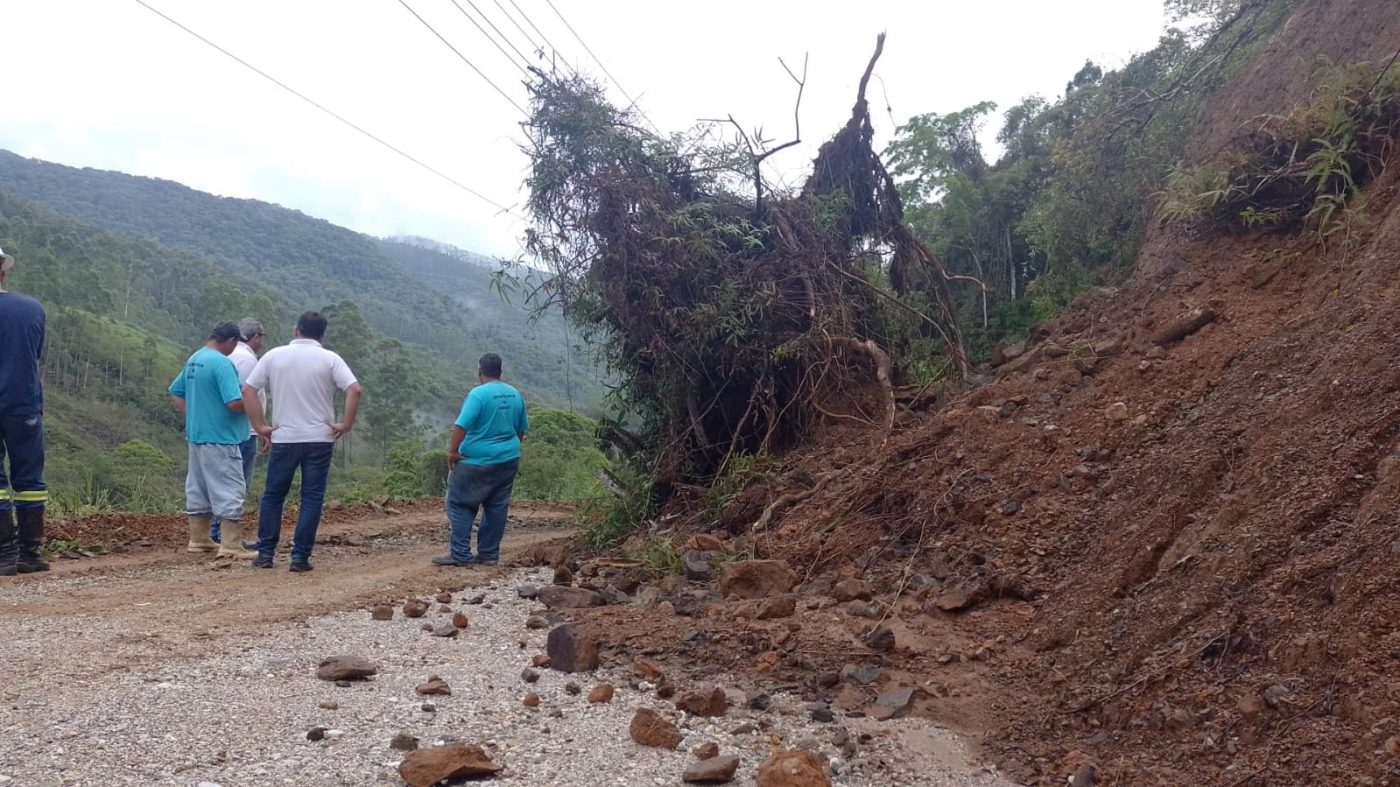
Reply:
x=312, y=325
x=224, y=330
x=489, y=365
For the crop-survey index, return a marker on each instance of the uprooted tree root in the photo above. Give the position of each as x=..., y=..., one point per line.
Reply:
x=731, y=311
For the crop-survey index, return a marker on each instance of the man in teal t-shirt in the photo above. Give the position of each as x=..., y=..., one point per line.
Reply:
x=207, y=392
x=484, y=457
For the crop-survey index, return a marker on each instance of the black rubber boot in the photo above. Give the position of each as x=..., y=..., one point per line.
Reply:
x=9, y=547
x=31, y=537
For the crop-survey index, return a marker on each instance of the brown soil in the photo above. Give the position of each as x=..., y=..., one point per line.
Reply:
x=1182, y=551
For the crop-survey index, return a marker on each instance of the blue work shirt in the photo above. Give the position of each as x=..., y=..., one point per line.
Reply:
x=21, y=347
x=493, y=416
x=208, y=383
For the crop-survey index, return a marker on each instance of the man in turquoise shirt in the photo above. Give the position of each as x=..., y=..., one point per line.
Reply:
x=483, y=456
x=207, y=392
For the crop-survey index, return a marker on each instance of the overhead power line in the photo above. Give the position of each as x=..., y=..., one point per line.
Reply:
x=462, y=57
x=503, y=36
x=533, y=45
x=494, y=42
x=328, y=111
x=589, y=50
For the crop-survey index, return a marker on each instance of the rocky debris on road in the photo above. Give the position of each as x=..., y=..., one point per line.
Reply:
x=752, y=579
x=793, y=768
x=890, y=703
x=317, y=733
x=445, y=630
x=563, y=576
x=427, y=767
x=529, y=676
x=444, y=598
x=530, y=700
x=434, y=686
x=403, y=742
x=550, y=554
x=571, y=649
x=711, y=703
x=415, y=608
x=381, y=612
x=329, y=705
x=715, y=770
x=852, y=589
x=649, y=728
x=881, y=639
x=573, y=688
x=536, y=622
x=338, y=668
x=540, y=660
x=697, y=565
x=706, y=750
x=459, y=620
x=565, y=597
x=601, y=693
x=527, y=591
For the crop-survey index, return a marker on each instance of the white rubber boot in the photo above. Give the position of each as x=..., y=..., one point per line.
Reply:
x=199, y=534
x=231, y=541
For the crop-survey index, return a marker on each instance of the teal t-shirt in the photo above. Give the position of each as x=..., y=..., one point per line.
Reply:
x=208, y=383
x=493, y=416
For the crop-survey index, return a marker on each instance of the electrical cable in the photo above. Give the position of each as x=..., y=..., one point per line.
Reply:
x=539, y=32
x=503, y=36
x=535, y=47
x=493, y=41
x=332, y=113
x=462, y=57
x=589, y=50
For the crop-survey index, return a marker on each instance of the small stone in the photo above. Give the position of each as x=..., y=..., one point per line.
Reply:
x=823, y=714
x=403, y=742
x=827, y=680
x=563, y=576
x=444, y=598
x=529, y=675
x=792, y=768
x=531, y=700
x=961, y=597
x=571, y=649
x=573, y=688
x=648, y=669
x=697, y=566
x=434, y=686
x=750, y=579
x=426, y=767
x=426, y=627
x=381, y=612
x=709, y=704
x=339, y=668
x=478, y=599
x=648, y=728
x=714, y=770
x=1250, y=705
x=706, y=751
x=536, y=622
x=747, y=728
x=852, y=590
x=665, y=691
x=776, y=607
x=527, y=591
x=864, y=675
x=316, y=733
x=446, y=630
x=428, y=707
x=1085, y=776
x=344, y=684
x=561, y=597
x=601, y=693
x=758, y=702
x=459, y=620
x=1276, y=695
x=443, y=608
x=1116, y=412
x=329, y=705
x=540, y=660
x=555, y=713
x=413, y=608
x=881, y=639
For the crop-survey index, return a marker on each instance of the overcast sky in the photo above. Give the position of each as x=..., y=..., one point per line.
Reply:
x=108, y=84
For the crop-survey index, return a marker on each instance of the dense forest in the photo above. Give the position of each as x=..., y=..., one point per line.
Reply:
x=133, y=271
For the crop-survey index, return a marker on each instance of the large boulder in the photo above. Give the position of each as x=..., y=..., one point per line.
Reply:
x=756, y=578
x=426, y=767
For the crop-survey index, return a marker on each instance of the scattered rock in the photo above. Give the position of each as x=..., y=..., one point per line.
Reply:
x=479, y=598
x=551, y=554
x=540, y=660
x=555, y=713
x=1085, y=776
x=614, y=595
x=404, y=742
x=413, y=608
x=823, y=714
x=865, y=609
x=776, y=607
x=561, y=597
x=426, y=627
x=756, y=578
x=344, y=684
x=573, y=688
x=1116, y=412
x=881, y=639
x=444, y=598
x=459, y=619
x=329, y=705
x=316, y=733
x=446, y=630
x=1276, y=695
x=697, y=566
x=747, y=728
x=428, y=707
x=527, y=591
x=339, y=668
x=710, y=703
x=1010, y=506
x=714, y=770
x=792, y=768
x=649, y=728
x=434, y=686
x=443, y=608
x=563, y=576
x=426, y=767
x=529, y=676
x=536, y=622
x=601, y=693
x=381, y=612
x=852, y=590
x=863, y=675
x=531, y=700
x=961, y=597
x=758, y=702
x=706, y=751
x=891, y=703
x=704, y=542
x=571, y=649
x=1250, y=705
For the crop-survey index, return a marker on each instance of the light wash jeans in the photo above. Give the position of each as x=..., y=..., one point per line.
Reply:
x=214, y=482
x=249, y=448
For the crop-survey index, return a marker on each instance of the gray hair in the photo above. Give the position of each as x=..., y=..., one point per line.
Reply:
x=248, y=328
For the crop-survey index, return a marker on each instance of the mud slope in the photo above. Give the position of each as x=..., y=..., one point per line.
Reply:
x=1175, y=521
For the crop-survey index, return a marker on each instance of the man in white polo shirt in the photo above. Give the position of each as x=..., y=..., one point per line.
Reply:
x=300, y=379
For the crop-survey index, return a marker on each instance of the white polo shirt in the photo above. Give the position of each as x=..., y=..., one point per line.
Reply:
x=245, y=360
x=301, y=379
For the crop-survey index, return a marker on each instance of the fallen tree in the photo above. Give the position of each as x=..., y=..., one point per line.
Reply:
x=733, y=313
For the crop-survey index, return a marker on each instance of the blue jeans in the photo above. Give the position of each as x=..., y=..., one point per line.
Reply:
x=314, y=459
x=249, y=448
x=487, y=487
x=22, y=441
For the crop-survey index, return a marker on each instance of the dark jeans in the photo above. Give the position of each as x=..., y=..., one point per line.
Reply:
x=314, y=459
x=22, y=441
x=487, y=487
x=249, y=448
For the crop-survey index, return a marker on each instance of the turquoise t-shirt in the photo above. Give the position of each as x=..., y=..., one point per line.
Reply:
x=208, y=383
x=493, y=416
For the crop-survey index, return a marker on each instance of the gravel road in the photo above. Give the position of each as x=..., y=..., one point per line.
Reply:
x=161, y=684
